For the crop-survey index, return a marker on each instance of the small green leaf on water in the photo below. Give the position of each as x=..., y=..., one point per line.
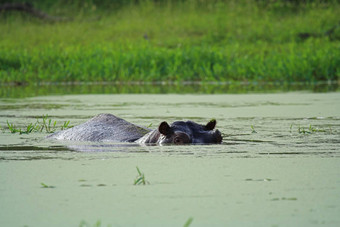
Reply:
x=98, y=223
x=138, y=170
x=46, y=186
x=83, y=223
x=267, y=179
x=140, y=179
x=292, y=198
x=86, y=224
x=188, y=222
x=253, y=129
x=310, y=130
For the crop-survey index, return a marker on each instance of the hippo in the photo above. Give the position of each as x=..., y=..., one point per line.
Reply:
x=109, y=128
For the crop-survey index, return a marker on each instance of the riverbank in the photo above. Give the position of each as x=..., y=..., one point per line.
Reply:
x=222, y=41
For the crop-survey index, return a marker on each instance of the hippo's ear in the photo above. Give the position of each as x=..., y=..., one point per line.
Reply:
x=164, y=128
x=210, y=125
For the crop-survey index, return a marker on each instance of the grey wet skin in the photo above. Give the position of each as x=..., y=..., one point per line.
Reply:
x=183, y=132
x=103, y=127
x=107, y=127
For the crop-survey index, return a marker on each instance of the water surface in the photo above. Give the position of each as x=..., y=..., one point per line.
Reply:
x=278, y=164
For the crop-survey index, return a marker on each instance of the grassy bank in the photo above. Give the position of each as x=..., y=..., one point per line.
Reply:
x=188, y=41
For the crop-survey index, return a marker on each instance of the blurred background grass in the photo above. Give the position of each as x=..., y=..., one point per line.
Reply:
x=179, y=40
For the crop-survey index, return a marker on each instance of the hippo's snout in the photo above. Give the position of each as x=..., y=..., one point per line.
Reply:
x=188, y=132
x=217, y=136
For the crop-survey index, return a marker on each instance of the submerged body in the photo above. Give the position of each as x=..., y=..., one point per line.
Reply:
x=107, y=127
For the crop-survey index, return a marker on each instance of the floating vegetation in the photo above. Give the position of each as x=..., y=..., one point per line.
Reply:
x=66, y=125
x=188, y=222
x=311, y=129
x=12, y=128
x=46, y=125
x=43, y=185
x=284, y=198
x=290, y=128
x=253, y=129
x=85, y=224
x=140, y=179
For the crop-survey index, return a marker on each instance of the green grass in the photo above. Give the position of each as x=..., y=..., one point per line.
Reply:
x=253, y=129
x=175, y=41
x=311, y=129
x=96, y=224
x=43, y=185
x=140, y=178
x=46, y=125
x=188, y=222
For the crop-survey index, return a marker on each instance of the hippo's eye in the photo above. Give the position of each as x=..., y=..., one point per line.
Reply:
x=178, y=140
x=181, y=138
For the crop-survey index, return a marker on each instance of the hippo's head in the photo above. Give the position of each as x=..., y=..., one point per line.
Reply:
x=185, y=132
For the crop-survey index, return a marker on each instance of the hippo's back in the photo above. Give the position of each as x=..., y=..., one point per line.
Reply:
x=103, y=127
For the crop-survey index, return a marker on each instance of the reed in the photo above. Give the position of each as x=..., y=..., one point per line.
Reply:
x=140, y=178
x=46, y=125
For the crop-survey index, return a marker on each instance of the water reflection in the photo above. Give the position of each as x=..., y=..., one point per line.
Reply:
x=162, y=88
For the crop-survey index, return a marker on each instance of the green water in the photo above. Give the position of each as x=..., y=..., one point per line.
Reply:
x=278, y=164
